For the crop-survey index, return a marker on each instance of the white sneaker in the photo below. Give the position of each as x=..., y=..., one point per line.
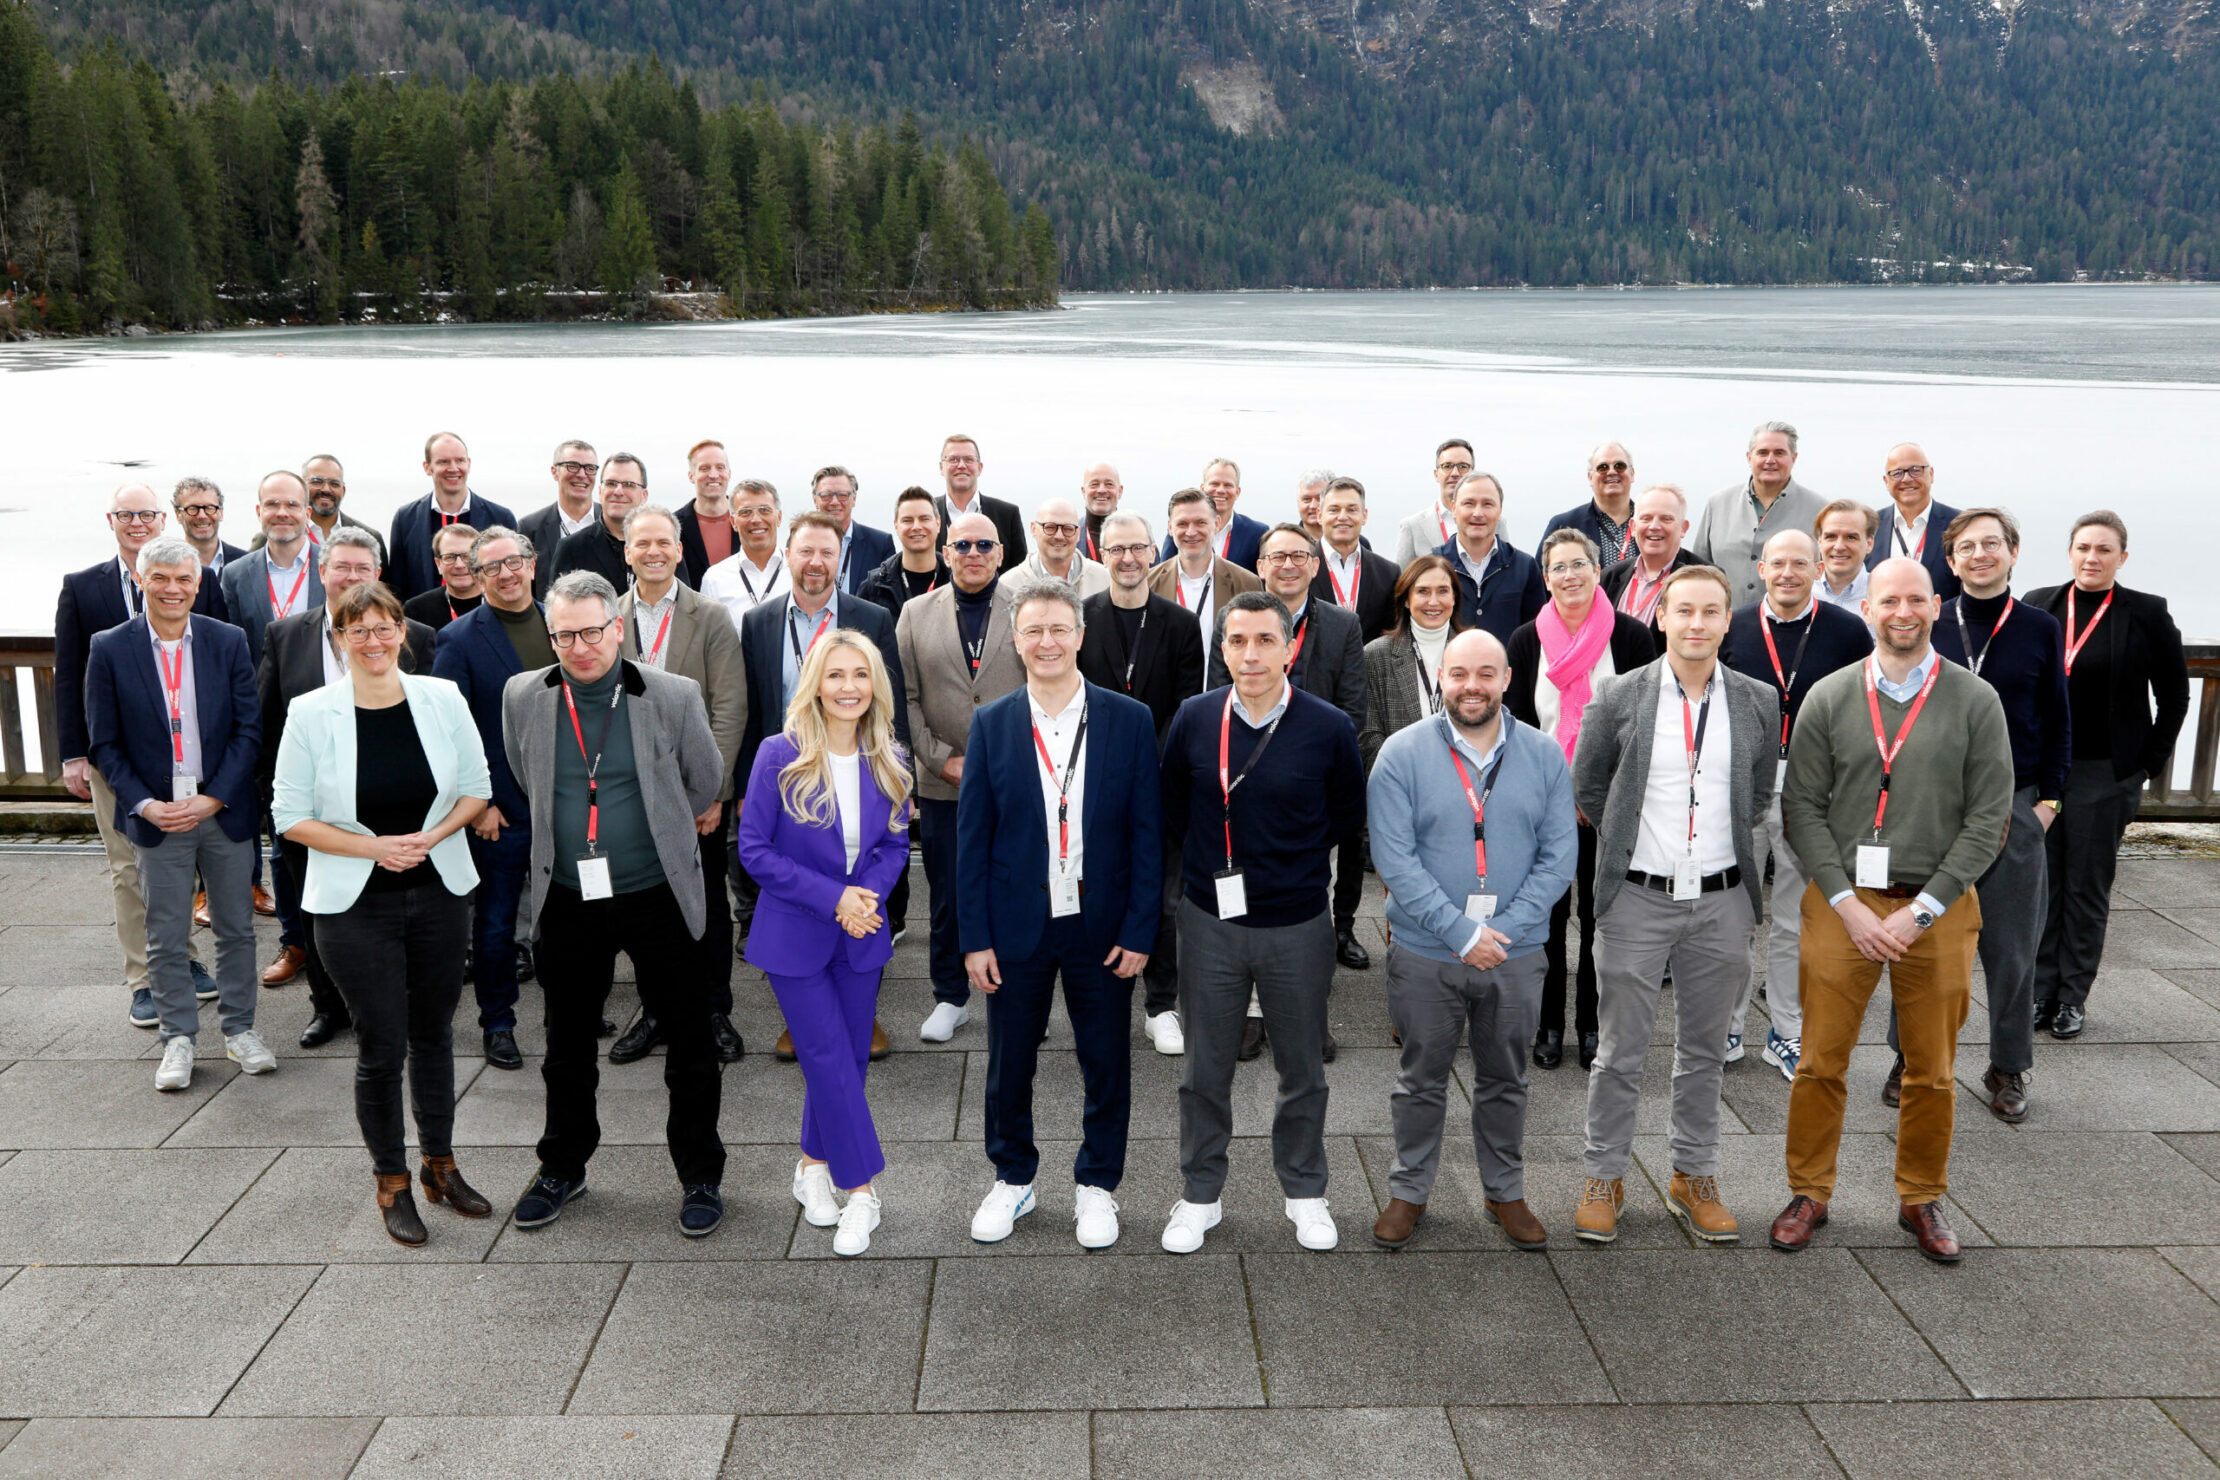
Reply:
x=1096, y=1213
x=1165, y=1034
x=250, y=1053
x=1734, y=1048
x=813, y=1189
x=177, y=1065
x=999, y=1213
x=947, y=1017
x=857, y=1220
x=1189, y=1222
x=1314, y=1226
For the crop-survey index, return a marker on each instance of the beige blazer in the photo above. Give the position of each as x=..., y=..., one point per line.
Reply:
x=1226, y=580
x=1093, y=577
x=941, y=689
x=704, y=646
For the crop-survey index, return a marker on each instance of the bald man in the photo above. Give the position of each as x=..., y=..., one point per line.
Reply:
x=1101, y=490
x=1912, y=523
x=1056, y=529
x=1473, y=833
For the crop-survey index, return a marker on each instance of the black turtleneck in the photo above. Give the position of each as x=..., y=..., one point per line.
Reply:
x=2025, y=663
x=972, y=610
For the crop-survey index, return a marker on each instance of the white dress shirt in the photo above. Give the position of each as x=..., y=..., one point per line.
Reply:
x=285, y=598
x=1909, y=537
x=743, y=585
x=1343, y=573
x=335, y=656
x=1058, y=731
x=647, y=621
x=1662, y=842
x=180, y=656
x=132, y=601
x=571, y=526
x=847, y=776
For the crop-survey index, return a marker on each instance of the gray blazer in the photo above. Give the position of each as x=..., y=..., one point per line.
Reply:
x=703, y=645
x=1393, y=699
x=1611, y=768
x=940, y=688
x=680, y=769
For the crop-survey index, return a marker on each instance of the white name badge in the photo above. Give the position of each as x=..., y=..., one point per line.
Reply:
x=1687, y=882
x=1780, y=774
x=184, y=788
x=1233, y=895
x=1480, y=907
x=593, y=878
x=1873, y=866
x=1063, y=897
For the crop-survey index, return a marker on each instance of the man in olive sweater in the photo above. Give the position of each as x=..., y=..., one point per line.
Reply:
x=1899, y=791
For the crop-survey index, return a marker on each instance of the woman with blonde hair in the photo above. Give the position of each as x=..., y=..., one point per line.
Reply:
x=824, y=830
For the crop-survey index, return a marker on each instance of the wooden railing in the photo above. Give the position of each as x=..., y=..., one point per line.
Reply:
x=2162, y=802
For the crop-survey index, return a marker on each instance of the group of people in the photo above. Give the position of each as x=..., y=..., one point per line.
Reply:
x=1812, y=739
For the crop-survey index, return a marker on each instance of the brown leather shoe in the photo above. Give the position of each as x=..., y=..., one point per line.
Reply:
x=1394, y=1227
x=1792, y=1231
x=443, y=1184
x=201, y=917
x=881, y=1045
x=1892, y=1088
x=1924, y=1222
x=2007, y=1094
x=1596, y=1220
x=1695, y=1201
x=1518, y=1223
x=287, y=966
x=783, y=1050
x=263, y=903
x=398, y=1207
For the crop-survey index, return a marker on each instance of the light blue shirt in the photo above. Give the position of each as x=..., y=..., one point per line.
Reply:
x=1242, y=710
x=795, y=627
x=1902, y=693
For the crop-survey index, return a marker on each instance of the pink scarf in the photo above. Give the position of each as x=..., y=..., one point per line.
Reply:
x=1572, y=657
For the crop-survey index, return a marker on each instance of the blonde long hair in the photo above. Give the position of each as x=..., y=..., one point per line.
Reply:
x=805, y=784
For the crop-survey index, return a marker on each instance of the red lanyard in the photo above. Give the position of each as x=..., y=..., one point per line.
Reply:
x=294, y=595
x=654, y=655
x=1479, y=801
x=1225, y=542
x=1063, y=786
x=1692, y=726
x=1911, y=551
x=801, y=654
x=1788, y=679
x=1295, y=649
x=1880, y=738
x=2073, y=644
x=1227, y=784
x=1348, y=598
x=1631, y=600
x=1441, y=518
x=173, y=687
x=593, y=761
x=1087, y=538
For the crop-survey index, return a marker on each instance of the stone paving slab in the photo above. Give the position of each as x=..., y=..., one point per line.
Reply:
x=2136, y=1004
x=924, y=1446
x=186, y=1448
x=2199, y=1419
x=1409, y=1443
x=48, y=1020
x=309, y=1102
x=559, y=1448
x=631, y=1210
x=2077, y=1190
x=101, y=1102
x=1753, y=1182
x=118, y=1207
x=2111, y=1087
x=1456, y=1218
x=2203, y=1058
x=317, y=1205
x=1732, y=1442
x=2201, y=1263
x=2131, y=1440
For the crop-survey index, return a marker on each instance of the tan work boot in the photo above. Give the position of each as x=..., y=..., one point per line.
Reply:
x=1596, y=1220
x=1695, y=1201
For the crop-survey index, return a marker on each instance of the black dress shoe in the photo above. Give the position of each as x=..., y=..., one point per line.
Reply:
x=1549, y=1048
x=608, y=1028
x=526, y=967
x=1350, y=951
x=643, y=1035
x=323, y=1028
x=726, y=1037
x=2067, y=1022
x=1327, y=1048
x=501, y=1049
x=1892, y=1088
x=1252, y=1038
x=2045, y=1013
x=1587, y=1050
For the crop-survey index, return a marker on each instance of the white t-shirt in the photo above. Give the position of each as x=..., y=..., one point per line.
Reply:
x=847, y=774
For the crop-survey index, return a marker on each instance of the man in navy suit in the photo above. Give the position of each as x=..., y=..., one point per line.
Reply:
x=281, y=578
x=410, y=568
x=1238, y=537
x=173, y=723
x=1498, y=588
x=1913, y=524
x=479, y=653
x=1060, y=865
x=832, y=491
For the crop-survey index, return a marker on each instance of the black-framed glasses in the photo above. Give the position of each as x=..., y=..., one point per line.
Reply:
x=192, y=511
x=970, y=547
x=576, y=468
x=136, y=516
x=635, y=486
x=1121, y=552
x=511, y=563
x=1064, y=531
x=1897, y=475
x=458, y=557
x=588, y=635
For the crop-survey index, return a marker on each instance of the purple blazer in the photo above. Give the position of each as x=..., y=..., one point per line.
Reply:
x=802, y=870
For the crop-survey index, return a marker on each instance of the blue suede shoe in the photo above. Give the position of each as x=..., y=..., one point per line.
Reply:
x=204, y=985
x=701, y=1212
x=543, y=1201
x=144, y=1014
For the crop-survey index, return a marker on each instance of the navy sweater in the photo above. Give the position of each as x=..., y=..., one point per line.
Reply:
x=1838, y=641
x=2026, y=664
x=1303, y=797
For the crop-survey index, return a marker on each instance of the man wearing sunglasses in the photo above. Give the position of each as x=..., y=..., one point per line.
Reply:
x=1608, y=516
x=577, y=473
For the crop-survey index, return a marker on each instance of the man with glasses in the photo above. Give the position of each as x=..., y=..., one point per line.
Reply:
x=1608, y=516
x=1101, y=490
x=409, y=567
x=600, y=547
x=301, y=654
x=1055, y=529
x=1234, y=536
x=199, y=506
x=1659, y=525
x=327, y=489
x=957, y=654
x=1740, y=518
x=756, y=572
x=459, y=589
x=1436, y=524
x=1845, y=531
x=1196, y=576
x=916, y=567
x=1349, y=575
x=576, y=470
x=960, y=467
x=705, y=529
x=832, y=492
x=278, y=578
x=1913, y=523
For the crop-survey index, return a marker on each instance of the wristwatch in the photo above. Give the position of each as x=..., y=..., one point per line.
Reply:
x=1922, y=917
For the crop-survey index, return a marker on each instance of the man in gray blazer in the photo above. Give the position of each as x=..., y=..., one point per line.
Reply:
x=1741, y=517
x=1436, y=525
x=617, y=763
x=1674, y=766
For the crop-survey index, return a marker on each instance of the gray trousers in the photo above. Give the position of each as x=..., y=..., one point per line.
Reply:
x=1290, y=968
x=1775, y=940
x=1706, y=942
x=1430, y=1003
x=169, y=874
x=2013, y=908
x=2084, y=849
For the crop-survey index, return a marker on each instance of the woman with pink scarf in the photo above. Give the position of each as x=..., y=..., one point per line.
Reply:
x=1558, y=662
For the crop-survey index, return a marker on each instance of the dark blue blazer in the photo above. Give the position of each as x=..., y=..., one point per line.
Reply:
x=868, y=549
x=216, y=606
x=761, y=632
x=1242, y=549
x=409, y=566
x=128, y=721
x=90, y=604
x=1003, y=828
x=803, y=868
x=1510, y=594
x=476, y=656
x=1931, y=555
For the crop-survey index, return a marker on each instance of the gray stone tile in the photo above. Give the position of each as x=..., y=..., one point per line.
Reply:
x=1165, y=1332
x=2135, y=1004
x=308, y=1103
x=917, y=1446
x=72, y=954
x=49, y=1020
x=2146, y=938
x=2060, y=1323
x=1753, y=1180
x=2116, y=1440
x=631, y=1211
x=2165, y=882
x=2203, y=983
x=558, y=1448
x=1804, y=1328
x=694, y=1338
x=1455, y=1215
x=94, y=1103
x=317, y=1205
x=376, y=1339
x=2201, y=1263
x=2077, y=1190
x=2201, y=1147
x=129, y=1343
x=1269, y=1444
x=1059, y=1098
x=117, y=1207
x=2199, y=1419
x=186, y=1448
x=2111, y=1087
x=2202, y=1057
x=75, y=892
x=9, y=1428
x=1760, y=1442
x=1399, y=1331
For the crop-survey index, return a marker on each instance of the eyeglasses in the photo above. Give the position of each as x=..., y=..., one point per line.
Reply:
x=1569, y=568
x=968, y=547
x=1898, y=475
x=755, y=511
x=1062, y=531
x=959, y=462
x=512, y=563
x=1287, y=557
x=624, y=483
x=136, y=516
x=588, y=635
x=1063, y=632
x=1121, y=552
x=459, y=557
x=357, y=635
x=326, y=482
x=834, y=495
x=1989, y=546
x=1613, y=467
x=192, y=511
x=575, y=468
x=1452, y=467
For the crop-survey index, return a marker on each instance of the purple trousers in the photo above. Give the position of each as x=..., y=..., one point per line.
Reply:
x=829, y=1014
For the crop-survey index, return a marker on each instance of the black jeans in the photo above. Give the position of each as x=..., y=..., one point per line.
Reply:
x=1160, y=978
x=2083, y=853
x=1348, y=880
x=578, y=945
x=292, y=873
x=946, y=956
x=716, y=937
x=399, y=970
x=1560, y=916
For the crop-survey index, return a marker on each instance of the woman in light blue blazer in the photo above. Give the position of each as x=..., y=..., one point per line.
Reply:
x=377, y=776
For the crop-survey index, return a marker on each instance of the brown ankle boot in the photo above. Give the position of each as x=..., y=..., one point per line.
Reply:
x=399, y=1207
x=443, y=1184
x=1519, y=1224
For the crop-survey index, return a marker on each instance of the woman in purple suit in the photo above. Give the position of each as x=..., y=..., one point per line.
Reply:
x=825, y=830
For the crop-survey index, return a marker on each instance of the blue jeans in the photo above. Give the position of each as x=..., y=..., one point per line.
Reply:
x=938, y=820
x=504, y=868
